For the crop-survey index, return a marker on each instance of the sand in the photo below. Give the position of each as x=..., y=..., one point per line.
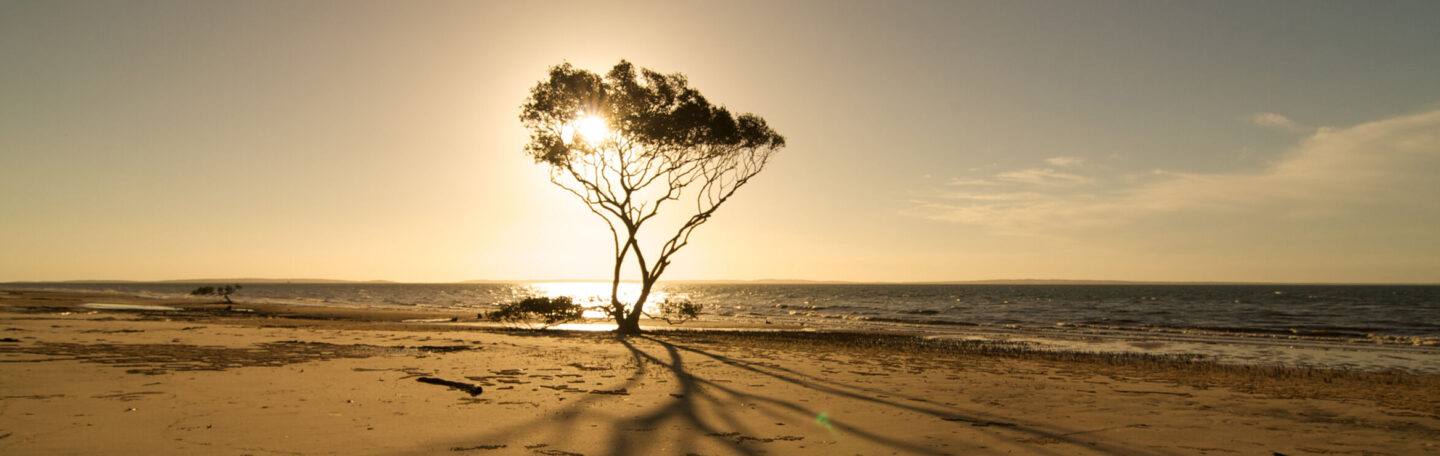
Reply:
x=293, y=380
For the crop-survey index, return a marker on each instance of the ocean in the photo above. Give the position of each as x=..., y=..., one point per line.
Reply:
x=1372, y=327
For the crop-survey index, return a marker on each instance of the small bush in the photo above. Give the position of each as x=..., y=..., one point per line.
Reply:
x=548, y=311
x=679, y=311
x=223, y=292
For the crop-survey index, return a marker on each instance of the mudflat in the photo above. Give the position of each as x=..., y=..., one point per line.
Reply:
x=194, y=376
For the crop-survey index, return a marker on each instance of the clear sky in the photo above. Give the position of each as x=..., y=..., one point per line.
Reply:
x=1138, y=140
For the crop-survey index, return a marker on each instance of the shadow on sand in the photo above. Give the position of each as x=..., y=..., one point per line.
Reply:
x=704, y=415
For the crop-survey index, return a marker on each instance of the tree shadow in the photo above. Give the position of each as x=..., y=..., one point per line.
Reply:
x=708, y=411
x=695, y=390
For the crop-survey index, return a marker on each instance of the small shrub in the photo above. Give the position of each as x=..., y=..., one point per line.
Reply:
x=679, y=311
x=223, y=292
x=548, y=311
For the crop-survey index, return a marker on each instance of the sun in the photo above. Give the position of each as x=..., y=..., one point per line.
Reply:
x=587, y=128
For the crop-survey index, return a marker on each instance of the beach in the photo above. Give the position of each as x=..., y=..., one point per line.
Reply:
x=131, y=375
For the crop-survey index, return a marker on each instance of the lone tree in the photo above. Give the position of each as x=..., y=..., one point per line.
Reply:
x=628, y=143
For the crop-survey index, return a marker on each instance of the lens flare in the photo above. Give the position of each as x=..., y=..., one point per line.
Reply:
x=589, y=129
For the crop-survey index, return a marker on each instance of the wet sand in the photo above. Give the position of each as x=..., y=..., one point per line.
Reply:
x=269, y=379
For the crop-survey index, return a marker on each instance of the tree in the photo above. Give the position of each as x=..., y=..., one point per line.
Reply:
x=628, y=143
x=223, y=292
x=550, y=311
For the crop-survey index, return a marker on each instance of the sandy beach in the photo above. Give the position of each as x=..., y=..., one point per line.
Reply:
x=252, y=379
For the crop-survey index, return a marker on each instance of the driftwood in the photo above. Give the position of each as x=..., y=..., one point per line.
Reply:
x=474, y=390
x=979, y=422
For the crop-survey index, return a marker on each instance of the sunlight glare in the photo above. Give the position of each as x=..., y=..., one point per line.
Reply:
x=590, y=129
x=590, y=294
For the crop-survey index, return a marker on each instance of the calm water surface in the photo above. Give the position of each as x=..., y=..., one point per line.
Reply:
x=1305, y=309
x=1187, y=318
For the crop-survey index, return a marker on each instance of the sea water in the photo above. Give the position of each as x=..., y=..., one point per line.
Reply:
x=1370, y=327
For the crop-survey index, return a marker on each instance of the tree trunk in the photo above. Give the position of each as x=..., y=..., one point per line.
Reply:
x=628, y=326
x=631, y=323
x=617, y=310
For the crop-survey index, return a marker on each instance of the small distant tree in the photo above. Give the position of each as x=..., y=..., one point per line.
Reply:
x=546, y=311
x=223, y=292
x=627, y=143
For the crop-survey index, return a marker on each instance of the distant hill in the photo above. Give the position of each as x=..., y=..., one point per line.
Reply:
x=1047, y=282
x=259, y=280
x=694, y=282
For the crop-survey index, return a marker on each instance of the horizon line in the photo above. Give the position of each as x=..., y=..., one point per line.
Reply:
x=256, y=280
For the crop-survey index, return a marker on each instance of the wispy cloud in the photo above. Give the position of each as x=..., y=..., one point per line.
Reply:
x=963, y=182
x=1043, y=176
x=1278, y=122
x=1064, y=161
x=1332, y=176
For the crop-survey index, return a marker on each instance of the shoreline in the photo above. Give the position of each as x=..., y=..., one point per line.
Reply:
x=796, y=313
x=1021, y=347
x=345, y=381
x=1300, y=349
x=802, y=312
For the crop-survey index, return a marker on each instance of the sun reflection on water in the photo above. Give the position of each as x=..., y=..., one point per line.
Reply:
x=592, y=294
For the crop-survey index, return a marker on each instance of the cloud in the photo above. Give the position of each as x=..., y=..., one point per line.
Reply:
x=962, y=182
x=1369, y=174
x=1015, y=196
x=1043, y=176
x=1278, y=122
x=1064, y=161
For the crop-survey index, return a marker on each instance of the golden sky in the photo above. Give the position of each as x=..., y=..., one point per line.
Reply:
x=928, y=141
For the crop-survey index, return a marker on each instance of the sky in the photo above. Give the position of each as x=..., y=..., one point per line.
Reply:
x=927, y=141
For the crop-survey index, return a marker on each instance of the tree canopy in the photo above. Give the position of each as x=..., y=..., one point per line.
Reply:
x=630, y=141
